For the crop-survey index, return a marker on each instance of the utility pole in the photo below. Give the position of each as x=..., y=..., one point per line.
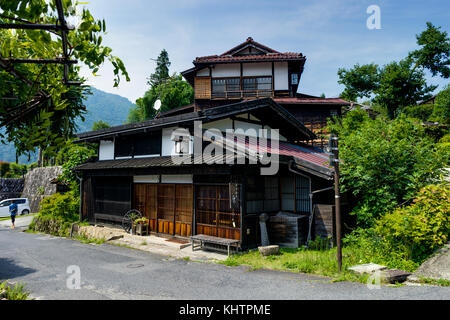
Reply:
x=334, y=161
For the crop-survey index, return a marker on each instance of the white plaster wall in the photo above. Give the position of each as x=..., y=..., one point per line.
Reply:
x=168, y=145
x=226, y=70
x=203, y=72
x=281, y=76
x=224, y=124
x=146, y=179
x=257, y=69
x=106, y=150
x=176, y=178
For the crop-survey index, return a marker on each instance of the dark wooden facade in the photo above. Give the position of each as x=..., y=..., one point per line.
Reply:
x=221, y=201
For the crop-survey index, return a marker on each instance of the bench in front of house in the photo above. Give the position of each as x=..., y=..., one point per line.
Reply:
x=203, y=241
x=107, y=217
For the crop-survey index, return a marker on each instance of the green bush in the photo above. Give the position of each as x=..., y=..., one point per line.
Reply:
x=14, y=293
x=49, y=225
x=420, y=228
x=367, y=246
x=57, y=214
x=405, y=237
x=384, y=163
x=64, y=207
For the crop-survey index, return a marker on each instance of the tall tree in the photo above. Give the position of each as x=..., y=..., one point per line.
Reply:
x=173, y=93
x=400, y=84
x=37, y=109
x=162, y=70
x=434, y=51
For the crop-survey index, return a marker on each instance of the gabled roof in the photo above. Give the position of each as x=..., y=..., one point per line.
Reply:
x=277, y=117
x=306, y=158
x=247, y=43
x=263, y=53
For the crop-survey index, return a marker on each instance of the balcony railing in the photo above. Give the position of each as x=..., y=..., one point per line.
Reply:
x=240, y=94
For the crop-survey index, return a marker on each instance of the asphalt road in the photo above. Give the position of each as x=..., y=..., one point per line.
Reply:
x=41, y=262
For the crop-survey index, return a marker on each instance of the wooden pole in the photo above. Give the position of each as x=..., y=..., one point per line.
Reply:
x=337, y=196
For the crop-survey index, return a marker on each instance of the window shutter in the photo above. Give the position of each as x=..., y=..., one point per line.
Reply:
x=202, y=88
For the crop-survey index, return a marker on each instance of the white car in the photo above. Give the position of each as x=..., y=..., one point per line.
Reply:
x=23, y=206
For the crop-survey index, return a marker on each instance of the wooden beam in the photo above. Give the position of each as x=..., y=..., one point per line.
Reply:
x=58, y=61
x=35, y=26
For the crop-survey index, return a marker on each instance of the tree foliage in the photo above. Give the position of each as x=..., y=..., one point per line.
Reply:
x=421, y=227
x=384, y=163
x=397, y=85
x=434, y=53
x=162, y=70
x=100, y=124
x=71, y=156
x=173, y=93
x=52, y=121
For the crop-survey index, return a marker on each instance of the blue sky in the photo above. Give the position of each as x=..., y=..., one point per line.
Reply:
x=330, y=33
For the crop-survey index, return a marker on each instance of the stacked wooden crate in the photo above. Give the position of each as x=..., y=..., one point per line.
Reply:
x=287, y=229
x=324, y=221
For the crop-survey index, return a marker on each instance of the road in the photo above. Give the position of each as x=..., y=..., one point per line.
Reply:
x=41, y=262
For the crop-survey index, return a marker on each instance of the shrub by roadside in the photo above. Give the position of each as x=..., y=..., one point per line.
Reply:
x=408, y=235
x=16, y=292
x=57, y=214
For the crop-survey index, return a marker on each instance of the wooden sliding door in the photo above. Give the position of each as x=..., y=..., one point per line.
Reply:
x=169, y=207
x=183, y=210
x=166, y=208
x=216, y=215
x=145, y=202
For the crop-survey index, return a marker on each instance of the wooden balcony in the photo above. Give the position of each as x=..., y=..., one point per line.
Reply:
x=241, y=94
x=233, y=88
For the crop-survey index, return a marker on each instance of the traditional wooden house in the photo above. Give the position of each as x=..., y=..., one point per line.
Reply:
x=252, y=70
x=169, y=168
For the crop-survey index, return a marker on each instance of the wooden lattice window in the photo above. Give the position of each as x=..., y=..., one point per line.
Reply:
x=202, y=88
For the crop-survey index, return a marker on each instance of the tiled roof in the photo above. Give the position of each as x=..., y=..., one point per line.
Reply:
x=307, y=153
x=247, y=42
x=264, y=57
x=313, y=159
x=268, y=54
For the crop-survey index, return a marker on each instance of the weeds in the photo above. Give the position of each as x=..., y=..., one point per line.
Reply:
x=16, y=292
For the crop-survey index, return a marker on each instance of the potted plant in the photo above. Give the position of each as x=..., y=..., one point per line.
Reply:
x=141, y=226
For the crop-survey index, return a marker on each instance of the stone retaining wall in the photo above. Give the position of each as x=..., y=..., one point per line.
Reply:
x=37, y=185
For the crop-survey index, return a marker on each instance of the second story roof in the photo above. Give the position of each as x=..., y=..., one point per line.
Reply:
x=275, y=115
x=249, y=51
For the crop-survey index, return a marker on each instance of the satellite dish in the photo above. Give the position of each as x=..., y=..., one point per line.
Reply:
x=157, y=104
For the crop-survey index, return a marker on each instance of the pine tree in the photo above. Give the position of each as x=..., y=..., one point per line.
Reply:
x=162, y=70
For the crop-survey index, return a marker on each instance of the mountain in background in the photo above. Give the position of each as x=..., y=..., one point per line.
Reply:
x=101, y=105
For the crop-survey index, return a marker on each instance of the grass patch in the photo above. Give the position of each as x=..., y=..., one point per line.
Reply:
x=440, y=282
x=84, y=239
x=17, y=292
x=144, y=243
x=318, y=262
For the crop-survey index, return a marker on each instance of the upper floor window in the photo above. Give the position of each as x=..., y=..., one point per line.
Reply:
x=251, y=87
x=138, y=145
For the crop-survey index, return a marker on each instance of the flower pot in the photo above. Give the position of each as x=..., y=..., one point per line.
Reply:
x=142, y=229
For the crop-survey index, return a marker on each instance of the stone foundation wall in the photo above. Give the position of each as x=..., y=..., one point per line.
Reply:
x=37, y=185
